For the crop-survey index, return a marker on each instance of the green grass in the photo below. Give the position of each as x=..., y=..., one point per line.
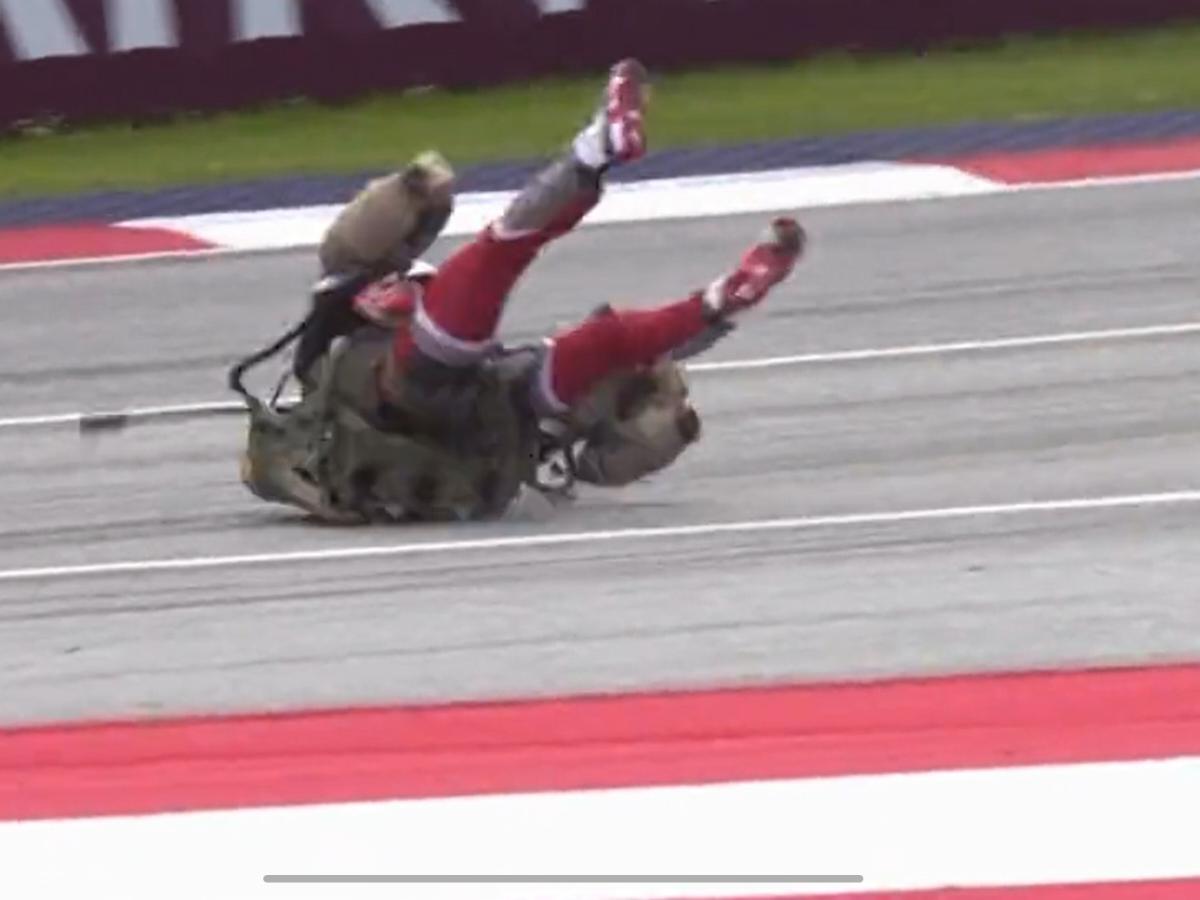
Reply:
x=1022, y=79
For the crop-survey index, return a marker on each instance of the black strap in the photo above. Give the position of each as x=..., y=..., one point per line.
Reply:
x=332, y=302
x=238, y=371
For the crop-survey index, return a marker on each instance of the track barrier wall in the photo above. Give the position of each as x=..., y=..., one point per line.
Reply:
x=142, y=59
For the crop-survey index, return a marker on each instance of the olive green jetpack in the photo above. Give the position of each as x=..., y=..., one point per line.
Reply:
x=449, y=451
x=344, y=456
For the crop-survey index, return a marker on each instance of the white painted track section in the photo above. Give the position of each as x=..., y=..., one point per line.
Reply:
x=653, y=199
x=971, y=828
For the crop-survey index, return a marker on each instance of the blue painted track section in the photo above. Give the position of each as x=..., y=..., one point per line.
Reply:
x=902, y=144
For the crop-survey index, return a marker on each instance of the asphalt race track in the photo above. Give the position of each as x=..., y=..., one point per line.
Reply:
x=866, y=597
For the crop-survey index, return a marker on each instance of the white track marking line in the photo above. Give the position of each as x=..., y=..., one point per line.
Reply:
x=178, y=411
x=218, y=407
x=131, y=259
x=1102, y=181
x=1037, y=340
x=802, y=523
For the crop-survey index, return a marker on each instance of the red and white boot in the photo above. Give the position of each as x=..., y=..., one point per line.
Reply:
x=763, y=266
x=618, y=132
